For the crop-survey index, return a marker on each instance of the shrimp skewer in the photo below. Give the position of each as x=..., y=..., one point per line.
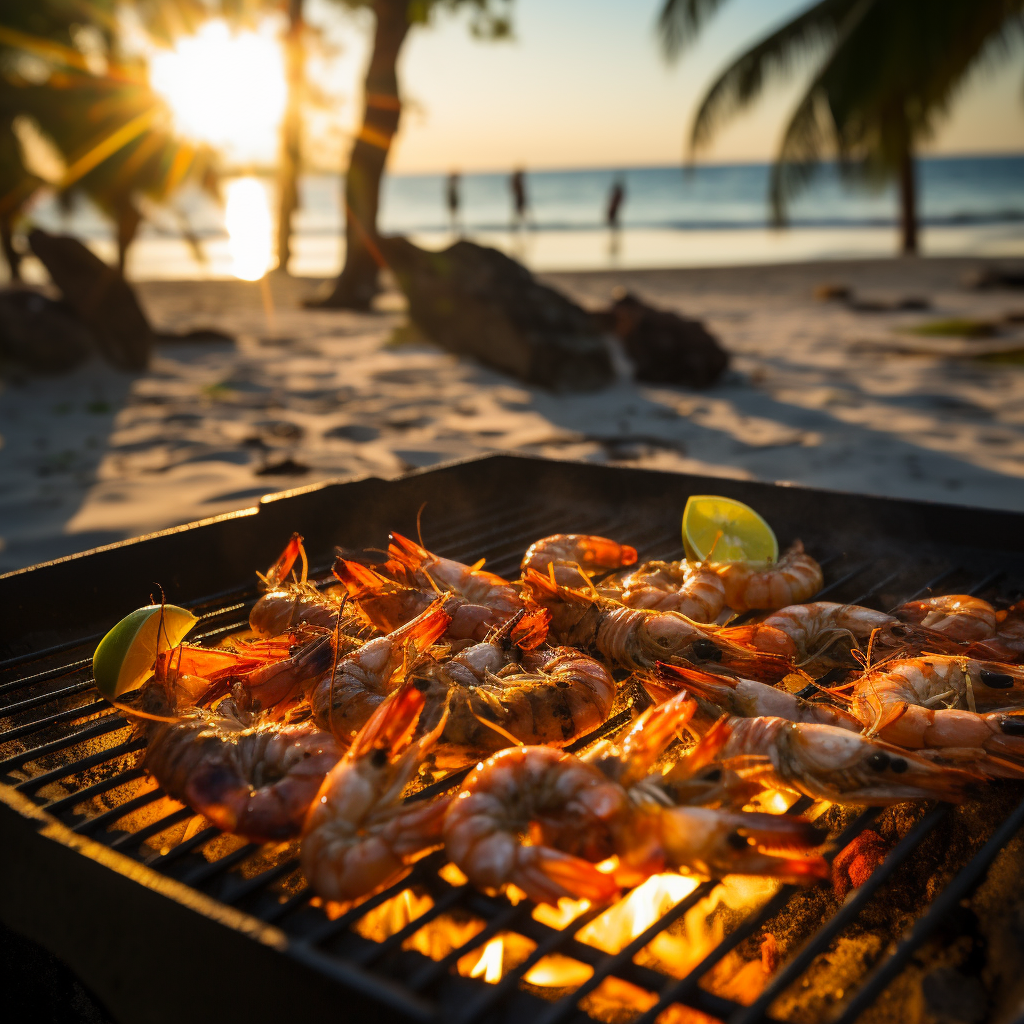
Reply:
x=570, y=559
x=358, y=836
x=792, y=579
x=247, y=775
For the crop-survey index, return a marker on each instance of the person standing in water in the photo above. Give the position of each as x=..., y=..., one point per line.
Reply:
x=517, y=183
x=616, y=198
x=452, y=194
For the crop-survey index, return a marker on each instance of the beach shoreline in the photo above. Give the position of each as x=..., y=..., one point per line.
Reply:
x=820, y=393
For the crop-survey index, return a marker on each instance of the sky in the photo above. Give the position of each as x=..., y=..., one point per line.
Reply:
x=584, y=84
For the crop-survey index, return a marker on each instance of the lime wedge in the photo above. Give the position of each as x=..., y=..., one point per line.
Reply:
x=723, y=530
x=127, y=654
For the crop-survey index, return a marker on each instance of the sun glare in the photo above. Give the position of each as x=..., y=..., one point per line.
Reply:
x=226, y=89
x=248, y=222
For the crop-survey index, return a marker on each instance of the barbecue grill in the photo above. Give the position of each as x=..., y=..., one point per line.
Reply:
x=165, y=919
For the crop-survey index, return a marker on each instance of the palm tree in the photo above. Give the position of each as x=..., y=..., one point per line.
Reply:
x=382, y=108
x=886, y=72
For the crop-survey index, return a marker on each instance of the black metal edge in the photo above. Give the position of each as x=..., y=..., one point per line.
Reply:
x=224, y=550
x=138, y=936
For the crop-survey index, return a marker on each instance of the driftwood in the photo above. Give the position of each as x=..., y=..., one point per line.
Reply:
x=664, y=347
x=99, y=296
x=476, y=301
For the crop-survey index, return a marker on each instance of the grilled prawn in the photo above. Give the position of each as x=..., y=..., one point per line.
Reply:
x=792, y=579
x=570, y=559
x=247, y=775
x=359, y=837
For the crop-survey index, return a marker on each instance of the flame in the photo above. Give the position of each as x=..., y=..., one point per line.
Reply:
x=772, y=801
x=392, y=915
x=557, y=971
x=488, y=966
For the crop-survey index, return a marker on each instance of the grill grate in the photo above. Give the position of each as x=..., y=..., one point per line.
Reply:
x=74, y=756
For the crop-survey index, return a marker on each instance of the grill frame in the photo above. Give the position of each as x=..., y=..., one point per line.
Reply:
x=86, y=900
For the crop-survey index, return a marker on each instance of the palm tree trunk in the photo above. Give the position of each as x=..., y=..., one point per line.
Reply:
x=11, y=255
x=357, y=284
x=291, y=135
x=908, y=202
x=128, y=221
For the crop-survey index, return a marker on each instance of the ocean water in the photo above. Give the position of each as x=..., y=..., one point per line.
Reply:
x=710, y=215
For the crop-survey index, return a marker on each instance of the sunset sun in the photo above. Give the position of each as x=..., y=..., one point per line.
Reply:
x=226, y=89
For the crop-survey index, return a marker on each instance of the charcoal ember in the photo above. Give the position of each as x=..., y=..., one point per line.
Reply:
x=100, y=297
x=856, y=862
x=39, y=334
x=478, y=302
x=664, y=347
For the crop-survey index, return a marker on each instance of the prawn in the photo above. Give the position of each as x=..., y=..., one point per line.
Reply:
x=284, y=605
x=792, y=579
x=941, y=702
x=272, y=672
x=570, y=559
x=499, y=691
x=691, y=588
x=358, y=836
x=639, y=638
x=958, y=616
x=391, y=594
x=815, y=627
x=247, y=775
x=743, y=698
x=346, y=696
x=819, y=761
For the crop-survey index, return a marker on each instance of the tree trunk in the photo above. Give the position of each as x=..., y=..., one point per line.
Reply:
x=11, y=255
x=128, y=221
x=291, y=135
x=908, y=202
x=357, y=284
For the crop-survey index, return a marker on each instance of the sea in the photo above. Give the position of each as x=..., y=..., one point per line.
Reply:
x=670, y=217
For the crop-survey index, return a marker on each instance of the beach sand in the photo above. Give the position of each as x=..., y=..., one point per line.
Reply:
x=819, y=394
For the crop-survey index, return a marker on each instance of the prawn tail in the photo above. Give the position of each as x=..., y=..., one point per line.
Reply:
x=778, y=832
x=547, y=875
x=673, y=678
x=359, y=580
x=278, y=572
x=428, y=627
x=407, y=552
x=532, y=629
x=652, y=732
x=707, y=749
x=392, y=724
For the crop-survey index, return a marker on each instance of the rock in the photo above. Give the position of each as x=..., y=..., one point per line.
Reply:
x=1000, y=277
x=101, y=298
x=476, y=301
x=664, y=347
x=40, y=334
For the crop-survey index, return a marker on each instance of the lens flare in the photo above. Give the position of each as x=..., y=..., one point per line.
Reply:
x=250, y=229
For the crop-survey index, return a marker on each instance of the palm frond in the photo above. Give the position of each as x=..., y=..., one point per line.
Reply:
x=680, y=22
x=773, y=57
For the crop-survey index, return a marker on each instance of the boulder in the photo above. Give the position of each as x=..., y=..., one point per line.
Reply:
x=39, y=334
x=478, y=302
x=100, y=297
x=664, y=347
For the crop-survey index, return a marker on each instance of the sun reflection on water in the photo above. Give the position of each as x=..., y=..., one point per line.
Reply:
x=250, y=230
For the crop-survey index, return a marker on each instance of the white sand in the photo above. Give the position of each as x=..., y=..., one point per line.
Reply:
x=819, y=395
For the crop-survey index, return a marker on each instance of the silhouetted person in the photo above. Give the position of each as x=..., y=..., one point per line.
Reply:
x=616, y=198
x=452, y=195
x=517, y=183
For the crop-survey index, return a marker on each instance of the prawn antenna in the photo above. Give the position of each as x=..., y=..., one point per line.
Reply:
x=305, y=562
x=334, y=666
x=419, y=527
x=514, y=740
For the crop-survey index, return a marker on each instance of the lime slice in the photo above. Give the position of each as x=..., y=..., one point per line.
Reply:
x=724, y=530
x=127, y=654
